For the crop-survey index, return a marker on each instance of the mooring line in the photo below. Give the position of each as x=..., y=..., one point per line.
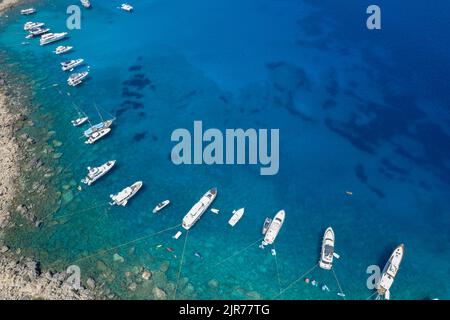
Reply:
x=339, y=285
x=278, y=272
x=181, y=265
x=75, y=212
x=295, y=281
x=103, y=251
x=236, y=253
x=371, y=295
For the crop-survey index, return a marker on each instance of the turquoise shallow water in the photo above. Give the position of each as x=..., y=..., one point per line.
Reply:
x=353, y=115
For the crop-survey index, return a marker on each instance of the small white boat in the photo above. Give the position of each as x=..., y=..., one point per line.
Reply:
x=126, y=7
x=97, y=135
x=86, y=3
x=122, y=198
x=62, y=49
x=327, y=252
x=52, y=37
x=199, y=208
x=274, y=228
x=77, y=78
x=30, y=25
x=237, y=215
x=266, y=225
x=28, y=11
x=71, y=64
x=79, y=121
x=97, y=172
x=177, y=235
x=215, y=211
x=390, y=271
x=160, y=206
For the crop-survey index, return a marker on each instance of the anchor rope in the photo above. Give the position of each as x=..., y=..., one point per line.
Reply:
x=295, y=281
x=236, y=253
x=181, y=265
x=103, y=251
x=339, y=285
x=78, y=211
x=278, y=272
x=371, y=295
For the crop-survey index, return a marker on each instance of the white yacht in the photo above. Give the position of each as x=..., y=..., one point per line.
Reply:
x=97, y=135
x=71, y=64
x=96, y=173
x=161, y=206
x=86, y=3
x=62, y=49
x=126, y=7
x=99, y=126
x=266, y=225
x=28, y=11
x=52, y=37
x=121, y=198
x=390, y=271
x=237, y=215
x=37, y=31
x=30, y=25
x=274, y=228
x=199, y=208
x=79, y=121
x=327, y=252
x=77, y=78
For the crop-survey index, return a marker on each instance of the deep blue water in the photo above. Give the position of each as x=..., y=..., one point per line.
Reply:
x=358, y=110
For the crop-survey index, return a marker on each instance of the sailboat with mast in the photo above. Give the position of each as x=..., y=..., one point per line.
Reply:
x=82, y=117
x=104, y=124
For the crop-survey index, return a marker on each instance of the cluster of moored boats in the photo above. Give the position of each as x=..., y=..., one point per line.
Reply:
x=39, y=29
x=271, y=226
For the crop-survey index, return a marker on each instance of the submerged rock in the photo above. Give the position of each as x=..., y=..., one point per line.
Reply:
x=213, y=283
x=57, y=143
x=118, y=258
x=4, y=249
x=159, y=293
x=90, y=283
x=146, y=275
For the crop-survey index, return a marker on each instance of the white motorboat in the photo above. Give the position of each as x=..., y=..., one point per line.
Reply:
x=71, y=64
x=215, y=211
x=266, y=225
x=97, y=135
x=97, y=172
x=37, y=31
x=390, y=271
x=30, y=25
x=79, y=121
x=274, y=228
x=62, y=49
x=122, y=198
x=77, y=78
x=52, y=37
x=98, y=126
x=28, y=11
x=126, y=7
x=237, y=215
x=199, y=208
x=327, y=252
x=86, y=3
x=161, y=206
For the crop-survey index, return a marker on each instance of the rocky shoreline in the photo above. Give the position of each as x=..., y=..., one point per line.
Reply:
x=21, y=277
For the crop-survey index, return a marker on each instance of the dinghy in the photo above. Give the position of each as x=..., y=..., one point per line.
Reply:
x=161, y=206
